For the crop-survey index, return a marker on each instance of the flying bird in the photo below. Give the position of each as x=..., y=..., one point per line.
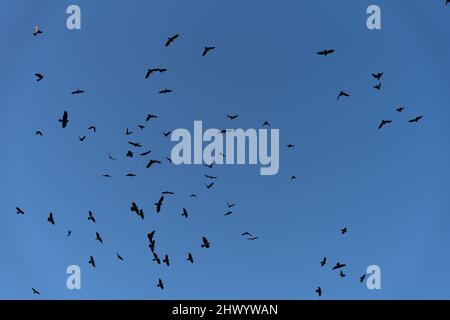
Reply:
x=323, y=262
x=247, y=234
x=38, y=133
x=344, y=230
x=230, y=205
x=166, y=260
x=159, y=204
x=400, y=109
x=160, y=284
x=339, y=266
x=164, y=91
x=156, y=258
x=64, y=120
x=92, y=261
x=232, y=117
x=93, y=128
x=106, y=176
x=363, y=277
x=134, y=208
x=378, y=86
x=416, y=119
x=266, y=124
x=342, y=94
x=135, y=144
x=190, y=258
x=98, y=237
x=171, y=39
x=37, y=31
x=342, y=274
x=228, y=213
x=51, y=219
x=209, y=186
x=69, y=233
x=128, y=132
x=168, y=193
x=119, y=256
x=326, y=52
x=35, y=291
x=210, y=177
x=150, y=71
x=82, y=138
x=185, y=213
x=166, y=134
x=206, y=243
x=289, y=146
x=129, y=154
x=152, y=162
x=151, y=235
x=145, y=153
x=78, y=91
x=383, y=123
x=131, y=175
x=91, y=216
x=150, y=116
x=206, y=50
x=39, y=76
x=19, y=211
x=377, y=75
x=319, y=291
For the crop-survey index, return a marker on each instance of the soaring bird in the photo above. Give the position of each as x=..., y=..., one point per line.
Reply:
x=206, y=243
x=51, y=219
x=135, y=144
x=166, y=260
x=232, y=117
x=247, y=234
x=164, y=91
x=342, y=94
x=78, y=91
x=128, y=132
x=131, y=175
x=344, y=230
x=134, y=208
x=167, y=193
x=342, y=274
x=377, y=75
x=143, y=154
x=39, y=76
x=37, y=31
x=152, y=245
x=416, y=119
x=150, y=116
x=166, y=134
x=400, y=109
x=159, y=204
x=38, y=133
x=228, y=213
x=64, y=120
x=171, y=39
x=339, y=266
x=289, y=146
x=363, y=277
x=326, y=52
x=252, y=238
x=190, y=258
x=151, y=235
x=323, y=262
x=140, y=126
x=106, y=176
x=156, y=258
x=266, y=124
x=383, y=123
x=35, y=291
x=378, y=86
x=129, y=154
x=206, y=50
x=69, y=233
x=92, y=261
x=141, y=214
x=150, y=71
x=160, y=284
x=319, y=291
x=151, y=162
x=98, y=237
x=82, y=138
x=211, y=177
x=19, y=211
x=93, y=128
x=230, y=205
x=119, y=256
x=91, y=216
x=185, y=213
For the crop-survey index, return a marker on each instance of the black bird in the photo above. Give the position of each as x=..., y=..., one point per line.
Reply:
x=159, y=204
x=156, y=258
x=185, y=213
x=98, y=237
x=152, y=245
x=290, y=146
x=82, y=138
x=416, y=119
x=193, y=195
x=326, y=52
x=252, y=238
x=210, y=177
x=128, y=132
x=91, y=216
x=344, y=230
x=51, y=219
x=377, y=75
x=293, y=177
x=160, y=284
x=209, y=186
x=319, y=291
x=134, y=208
x=206, y=50
x=231, y=205
x=209, y=165
x=232, y=117
x=78, y=91
x=119, y=256
x=64, y=120
x=135, y=144
x=39, y=76
x=190, y=258
x=228, y=213
x=93, y=128
x=37, y=31
x=151, y=162
x=342, y=274
x=342, y=94
x=166, y=134
x=35, y=291
x=383, y=123
x=92, y=261
x=206, y=243
x=323, y=262
x=378, y=86
x=164, y=91
x=106, y=176
x=19, y=211
x=167, y=193
x=151, y=235
x=339, y=266
x=150, y=116
x=150, y=71
x=166, y=260
x=171, y=39
x=131, y=175
x=129, y=154
x=141, y=214
x=111, y=157
x=247, y=234
x=400, y=109
x=146, y=153
x=69, y=233
x=266, y=124
x=39, y=133
x=363, y=277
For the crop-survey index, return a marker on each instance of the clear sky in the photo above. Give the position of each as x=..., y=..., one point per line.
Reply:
x=389, y=187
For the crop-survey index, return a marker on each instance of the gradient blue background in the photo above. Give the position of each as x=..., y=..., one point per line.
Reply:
x=390, y=187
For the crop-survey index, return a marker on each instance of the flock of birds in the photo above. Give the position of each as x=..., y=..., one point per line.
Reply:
x=134, y=208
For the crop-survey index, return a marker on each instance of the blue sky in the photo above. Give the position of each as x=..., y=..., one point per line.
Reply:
x=389, y=187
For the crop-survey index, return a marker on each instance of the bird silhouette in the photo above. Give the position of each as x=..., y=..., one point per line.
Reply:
x=166, y=260
x=231, y=205
x=190, y=258
x=150, y=116
x=377, y=75
x=342, y=94
x=266, y=124
x=35, y=291
x=91, y=216
x=232, y=117
x=185, y=213
x=98, y=237
x=378, y=86
x=383, y=123
x=211, y=177
x=209, y=165
x=51, y=219
x=119, y=257
x=168, y=193
x=129, y=154
x=363, y=277
x=152, y=162
x=416, y=119
x=141, y=214
x=150, y=235
x=93, y=128
x=78, y=91
x=166, y=134
x=209, y=186
x=206, y=50
x=156, y=258
x=39, y=76
x=143, y=154
x=135, y=144
x=344, y=230
x=323, y=262
x=193, y=195
x=128, y=132
x=131, y=175
x=247, y=234
x=252, y=238
x=160, y=284
x=64, y=120
x=400, y=109
x=152, y=245
x=171, y=39
x=326, y=52
x=92, y=261
x=290, y=146
x=228, y=213
x=134, y=208
x=111, y=157
x=37, y=31
x=19, y=211
x=339, y=266
x=165, y=91
x=342, y=274
x=69, y=233
x=82, y=138
x=38, y=133
x=159, y=204
x=206, y=243
x=319, y=291
x=151, y=71
x=106, y=176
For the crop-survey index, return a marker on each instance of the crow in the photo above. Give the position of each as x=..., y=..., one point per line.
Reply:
x=159, y=204
x=344, y=230
x=400, y=109
x=231, y=205
x=339, y=266
x=247, y=234
x=134, y=208
x=64, y=120
x=78, y=91
x=166, y=260
x=51, y=219
x=151, y=235
x=119, y=256
x=210, y=177
x=141, y=214
x=190, y=258
x=129, y=154
x=111, y=157
x=228, y=213
x=378, y=86
x=167, y=193
x=166, y=134
x=377, y=75
x=150, y=116
x=128, y=132
x=342, y=94
x=169, y=160
x=35, y=291
x=185, y=213
x=92, y=261
x=193, y=196
x=151, y=162
x=145, y=153
x=106, y=176
x=326, y=52
x=135, y=144
x=323, y=262
x=82, y=138
x=209, y=165
x=91, y=216
x=252, y=238
x=171, y=39
x=363, y=277
x=209, y=186
x=160, y=284
x=150, y=71
x=152, y=245
x=38, y=133
x=206, y=243
x=131, y=175
x=37, y=31
x=342, y=274
x=266, y=124
x=156, y=258
x=19, y=211
x=293, y=177
x=206, y=50
x=232, y=117
x=416, y=119
x=98, y=237
x=319, y=291
x=39, y=76
x=164, y=91
x=383, y=123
